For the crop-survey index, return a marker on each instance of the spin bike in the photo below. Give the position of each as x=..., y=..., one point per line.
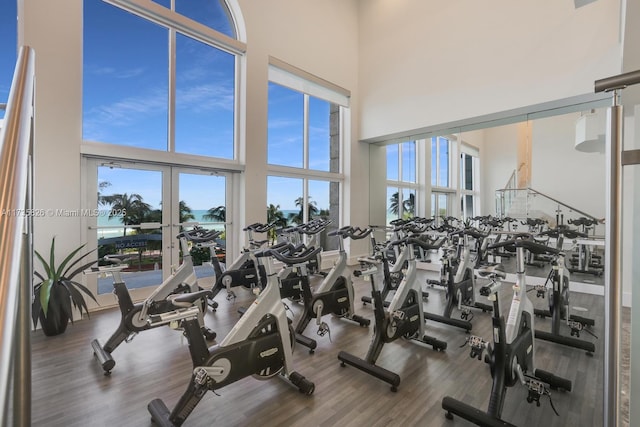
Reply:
x=403, y=319
x=157, y=310
x=556, y=289
x=460, y=283
x=313, y=229
x=259, y=345
x=334, y=295
x=511, y=356
x=392, y=275
x=585, y=261
x=242, y=272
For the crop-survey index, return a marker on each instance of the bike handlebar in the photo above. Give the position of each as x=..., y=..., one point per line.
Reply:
x=305, y=256
x=200, y=236
x=528, y=244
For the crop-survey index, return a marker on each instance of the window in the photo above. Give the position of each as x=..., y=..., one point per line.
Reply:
x=299, y=130
x=442, y=186
x=440, y=162
x=285, y=127
x=469, y=186
x=401, y=180
x=151, y=81
x=303, y=150
x=439, y=204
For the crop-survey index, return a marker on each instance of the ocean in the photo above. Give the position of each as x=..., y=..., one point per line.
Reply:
x=112, y=227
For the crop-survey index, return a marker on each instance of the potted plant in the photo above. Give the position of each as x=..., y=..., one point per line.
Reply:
x=57, y=293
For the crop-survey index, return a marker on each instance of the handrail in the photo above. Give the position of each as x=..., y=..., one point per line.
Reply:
x=564, y=204
x=15, y=229
x=531, y=190
x=511, y=182
x=613, y=243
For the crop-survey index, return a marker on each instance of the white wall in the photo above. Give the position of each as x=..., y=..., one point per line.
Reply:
x=54, y=31
x=560, y=171
x=425, y=63
x=498, y=160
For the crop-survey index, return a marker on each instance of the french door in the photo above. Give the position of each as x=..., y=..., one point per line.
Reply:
x=135, y=212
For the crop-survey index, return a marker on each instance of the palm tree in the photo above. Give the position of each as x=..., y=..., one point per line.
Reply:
x=409, y=205
x=312, y=210
x=394, y=203
x=101, y=186
x=131, y=208
x=185, y=212
x=217, y=214
x=275, y=216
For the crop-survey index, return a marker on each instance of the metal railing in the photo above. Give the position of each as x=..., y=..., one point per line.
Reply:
x=614, y=155
x=16, y=244
x=536, y=205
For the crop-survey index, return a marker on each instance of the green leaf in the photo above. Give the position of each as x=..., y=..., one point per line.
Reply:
x=64, y=263
x=80, y=269
x=52, y=261
x=45, y=295
x=47, y=270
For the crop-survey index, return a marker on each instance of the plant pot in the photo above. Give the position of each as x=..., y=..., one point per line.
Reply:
x=53, y=325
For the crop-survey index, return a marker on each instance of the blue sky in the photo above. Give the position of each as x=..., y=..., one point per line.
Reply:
x=8, y=48
x=125, y=98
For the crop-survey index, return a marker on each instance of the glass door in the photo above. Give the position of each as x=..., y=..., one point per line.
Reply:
x=129, y=225
x=135, y=213
x=202, y=201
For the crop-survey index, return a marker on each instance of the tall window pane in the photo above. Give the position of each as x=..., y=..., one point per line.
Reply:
x=324, y=202
x=443, y=202
x=285, y=126
x=125, y=90
x=408, y=203
x=409, y=161
x=468, y=211
x=284, y=198
x=443, y=162
x=434, y=162
x=319, y=134
x=393, y=203
x=468, y=171
x=205, y=87
x=392, y=162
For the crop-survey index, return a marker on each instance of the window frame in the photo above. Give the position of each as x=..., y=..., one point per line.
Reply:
x=176, y=23
x=474, y=192
x=403, y=187
x=291, y=77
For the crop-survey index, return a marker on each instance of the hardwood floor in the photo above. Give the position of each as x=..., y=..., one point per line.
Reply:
x=69, y=388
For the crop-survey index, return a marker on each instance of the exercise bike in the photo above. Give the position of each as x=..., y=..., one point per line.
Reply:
x=334, y=295
x=157, y=310
x=312, y=229
x=392, y=275
x=403, y=319
x=460, y=282
x=556, y=289
x=511, y=355
x=585, y=260
x=242, y=272
x=259, y=345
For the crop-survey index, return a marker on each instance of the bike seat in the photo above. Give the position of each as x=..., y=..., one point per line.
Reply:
x=492, y=270
x=187, y=300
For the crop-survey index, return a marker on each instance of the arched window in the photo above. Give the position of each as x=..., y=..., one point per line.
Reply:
x=161, y=75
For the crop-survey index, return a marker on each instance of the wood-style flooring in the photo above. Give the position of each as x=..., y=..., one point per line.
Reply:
x=69, y=388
